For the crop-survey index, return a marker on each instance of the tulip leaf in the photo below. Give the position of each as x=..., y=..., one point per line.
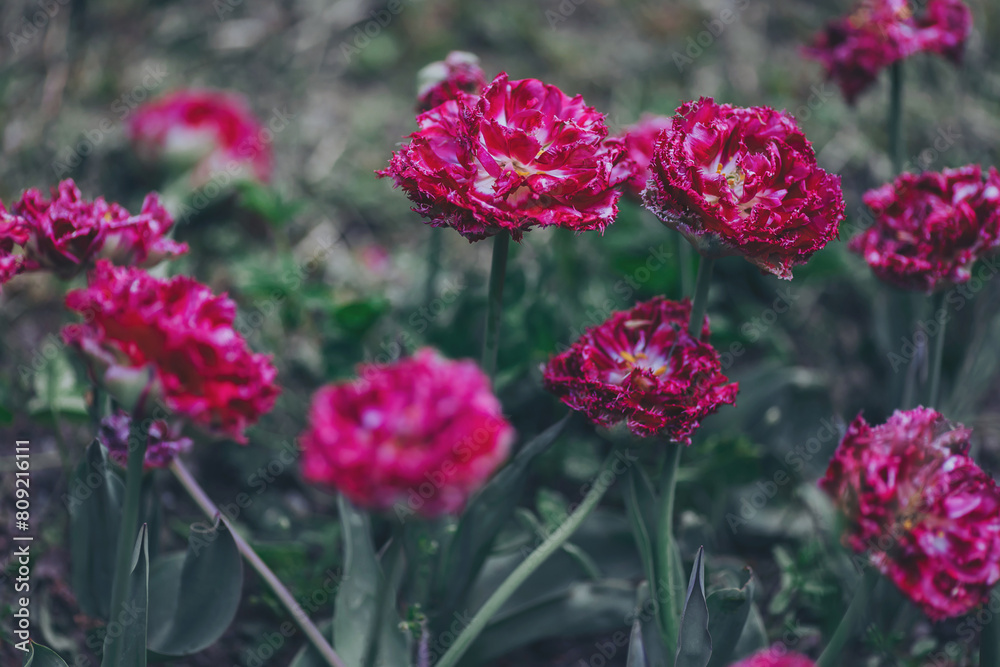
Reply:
x=636, y=650
x=483, y=519
x=40, y=656
x=94, y=500
x=585, y=608
x=195, y=594
x=728, y=611
x=642, y=509
x=128, y=625
x=356, y=604
x=694, y=644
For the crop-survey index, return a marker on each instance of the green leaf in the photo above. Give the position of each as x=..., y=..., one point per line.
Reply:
x=359, y=316
x=195, y=594
x=694, y=644
x=355, y=606
x=268, y=202
x=39, y=656
x=728, y=611
x=636, y=651
x=580, y=609
x=643, y=510
x=95, y=509
x=482, y=521
x=128, y=625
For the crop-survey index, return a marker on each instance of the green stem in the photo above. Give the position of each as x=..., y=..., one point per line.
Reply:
x=936, y=358
x=552, y=543
x=383, y=589
x=855, y=612
x=433, y=263
x=701, y=296
x=498, y=269
x=896, y=116
x=667, y=553
x=686, y=254
x=198, y=494
x=127, y=532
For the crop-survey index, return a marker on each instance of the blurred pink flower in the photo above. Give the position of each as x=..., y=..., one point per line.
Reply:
x=930, y=228
x=421, y=435
x=925, y=513
x=214, y=130
x=172, y=341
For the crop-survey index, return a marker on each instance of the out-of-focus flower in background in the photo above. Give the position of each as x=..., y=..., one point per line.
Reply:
x=931, y=228
x=171, y=342
x=419, y=435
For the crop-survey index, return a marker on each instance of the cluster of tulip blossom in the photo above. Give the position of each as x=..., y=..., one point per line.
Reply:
x=502, y=157
x=157, y=345
x=507, y=156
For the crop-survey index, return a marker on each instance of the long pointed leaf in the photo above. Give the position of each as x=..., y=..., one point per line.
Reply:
x=95, y=510
x=129, y=625
x=355, y=606
x=194, y=595
x=636, y=651
x=482, y=520
x=728, y=611
x=694, y=644
x=40, y=656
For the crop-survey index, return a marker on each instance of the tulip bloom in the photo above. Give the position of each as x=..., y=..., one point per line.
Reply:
x=420, y=435
x=642, y=366
x=215, y=131
x=930, y=228
x=459, y=73
x=926, y=515
x=66, y=234
x=743, y=181
x=854, y=49
x=640, y=141
x=521, y=155
x=171, y=342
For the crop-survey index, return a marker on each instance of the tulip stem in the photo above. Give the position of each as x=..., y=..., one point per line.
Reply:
x=896, y=116
x=199, y=496
x=602, y=482
x=686, y=253
x=701, y=296
x=434, y=244
x=667, y=553
x=855, y=612
x=936, y=359
x=494, y=309
x=126, y=534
